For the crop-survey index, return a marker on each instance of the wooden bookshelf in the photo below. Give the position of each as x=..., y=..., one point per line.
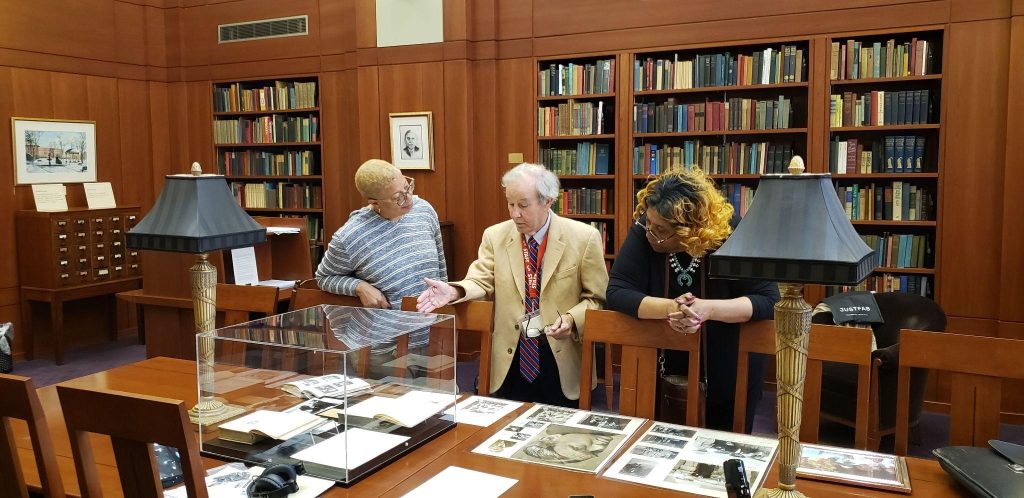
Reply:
x=885, y=128
x=267, y=144
x=576, y=137
x=766, y=88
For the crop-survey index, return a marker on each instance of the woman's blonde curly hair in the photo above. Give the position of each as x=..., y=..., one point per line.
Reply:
x=688, y=199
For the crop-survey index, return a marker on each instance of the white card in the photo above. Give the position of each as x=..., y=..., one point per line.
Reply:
x=50, y=197
x=99, y=195
x=243, y=264
x=457, y=482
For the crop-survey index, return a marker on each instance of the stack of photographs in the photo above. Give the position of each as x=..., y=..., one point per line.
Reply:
x=690, y=460
x=562, y=437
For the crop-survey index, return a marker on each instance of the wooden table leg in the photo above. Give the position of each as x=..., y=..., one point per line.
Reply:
x=26, y=323
x=140, y=323
x=112, y=312
x=57, y=324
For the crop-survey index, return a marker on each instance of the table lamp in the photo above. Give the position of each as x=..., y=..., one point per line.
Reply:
x=197, y=214
x=796, y=232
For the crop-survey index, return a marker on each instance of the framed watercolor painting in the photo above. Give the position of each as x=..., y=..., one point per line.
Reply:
x=855, y=467
x=53, y=151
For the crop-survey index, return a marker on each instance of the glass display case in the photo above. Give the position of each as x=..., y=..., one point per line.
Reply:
x=343, y=391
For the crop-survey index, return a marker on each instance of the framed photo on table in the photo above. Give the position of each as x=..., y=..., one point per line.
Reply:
x=854, y=467
x=53, y=151
x=412, y=144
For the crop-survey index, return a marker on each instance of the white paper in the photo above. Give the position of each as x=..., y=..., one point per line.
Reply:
x=50, y=197
x=99, y=195
x=280, y=284
x=457, y=482
x=481, y=410
x=360, y=446
x=243, y=264
x=282, y=230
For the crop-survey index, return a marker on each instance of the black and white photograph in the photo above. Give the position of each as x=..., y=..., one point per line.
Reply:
x=637, y=468
x=702, y=475
x=411, y=140
x=552, y=414
x=485, y=406
x=520, y=436
x=652, y=452
x=570, y=447
x=664, y=441
x=605, y=422
x=500, y=445
x=53, y=151
x=672, y=431
x=514, y=428
x=533, y=424
x=731, y=449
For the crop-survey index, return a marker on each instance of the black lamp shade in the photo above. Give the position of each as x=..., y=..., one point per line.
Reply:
x=195, y=214
x=795, y=231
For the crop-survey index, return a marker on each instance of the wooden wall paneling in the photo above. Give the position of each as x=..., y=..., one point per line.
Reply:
x=514, y=19
x=130, y=41
x=972, y=205
x=459, y=172
x=339, y=111
x=516, y=121
x=161, y=124
x=135, y=170
x=456, y=19
x=418, y=87
x=32, y=97
x=977, y=10
x=82, y=30
x=488, y=160
x=623, y=153
x=200, y=30
x=178, y=126
x=1018, y=7
x=8, y=202
x=337, y=27
x=1011, y=286
x=257, y=69
x=588, y=16
x=482, y=20
x=370, y=145
x=782, y=26
x=200, y=126
x=104, y=108
x=818, y=92
x=366, y=23
x=158, y=24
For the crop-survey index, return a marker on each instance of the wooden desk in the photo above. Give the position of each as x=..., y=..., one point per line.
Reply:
x=174, y=378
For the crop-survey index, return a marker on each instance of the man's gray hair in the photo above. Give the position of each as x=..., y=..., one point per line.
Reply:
x=546, y=181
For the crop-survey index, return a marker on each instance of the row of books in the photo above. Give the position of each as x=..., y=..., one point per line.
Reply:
x=267, y=129
x=574, y=118
x=731, y=114
x=284, y=95
x=900, y=201
x=740, y=196
x=899, y=154
x=582, y=201
x=857, y=60
x=278, y=195
x=261, y=162
x=588, y=158
x=901, y=250
x=734, y=158
x=578, y=79
x=889, y=282
x=603, y=228
x=880, y=108
x=761, y=67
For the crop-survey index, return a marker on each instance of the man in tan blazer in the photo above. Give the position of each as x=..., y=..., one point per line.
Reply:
x=534, y=260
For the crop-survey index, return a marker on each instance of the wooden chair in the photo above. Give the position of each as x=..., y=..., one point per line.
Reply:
x=470, y=316
x=18, y=399
x=640, y=341
x=236, y=302
x=977, y=366
x=307, y=293
x=133, y=422
x=828, y=343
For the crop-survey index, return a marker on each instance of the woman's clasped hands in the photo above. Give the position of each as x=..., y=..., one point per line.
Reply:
x=689, y=314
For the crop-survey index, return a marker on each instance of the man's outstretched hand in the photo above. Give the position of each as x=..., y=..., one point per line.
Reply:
x=437, y=294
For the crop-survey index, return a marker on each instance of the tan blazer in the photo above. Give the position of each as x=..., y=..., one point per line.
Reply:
x=574, y=278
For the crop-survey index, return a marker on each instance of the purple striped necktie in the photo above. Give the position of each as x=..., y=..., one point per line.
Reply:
x=529, y=354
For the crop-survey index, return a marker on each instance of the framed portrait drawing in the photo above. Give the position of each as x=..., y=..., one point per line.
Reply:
x=412, y=140
x=53, y=151
x=855, y=467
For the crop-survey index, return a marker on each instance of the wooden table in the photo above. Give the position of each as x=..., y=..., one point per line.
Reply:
x=175, y=378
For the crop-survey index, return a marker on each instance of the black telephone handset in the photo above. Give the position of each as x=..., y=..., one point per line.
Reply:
x=736, y=484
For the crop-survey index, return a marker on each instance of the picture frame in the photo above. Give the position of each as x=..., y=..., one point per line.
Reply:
x=855, y=467
x=53, y=151
x=412, y=144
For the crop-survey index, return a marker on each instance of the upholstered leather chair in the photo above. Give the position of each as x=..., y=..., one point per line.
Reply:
x=839, y=381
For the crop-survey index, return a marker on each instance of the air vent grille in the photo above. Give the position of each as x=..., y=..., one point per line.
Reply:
x=265, y=28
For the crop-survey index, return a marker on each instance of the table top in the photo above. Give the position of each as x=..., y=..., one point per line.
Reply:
x=173, y=378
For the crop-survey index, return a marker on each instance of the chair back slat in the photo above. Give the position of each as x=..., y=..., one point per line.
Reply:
x=18, y=400
x=977, y=365
x=470, y=316
x=152, y=420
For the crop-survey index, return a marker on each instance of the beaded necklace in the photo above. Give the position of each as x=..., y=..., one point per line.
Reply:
x=684, y=277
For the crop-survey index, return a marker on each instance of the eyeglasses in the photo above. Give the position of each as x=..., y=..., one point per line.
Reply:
x=650, y=233
x=402, y=198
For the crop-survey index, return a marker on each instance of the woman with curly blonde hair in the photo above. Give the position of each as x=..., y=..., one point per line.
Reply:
x=658, y=274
